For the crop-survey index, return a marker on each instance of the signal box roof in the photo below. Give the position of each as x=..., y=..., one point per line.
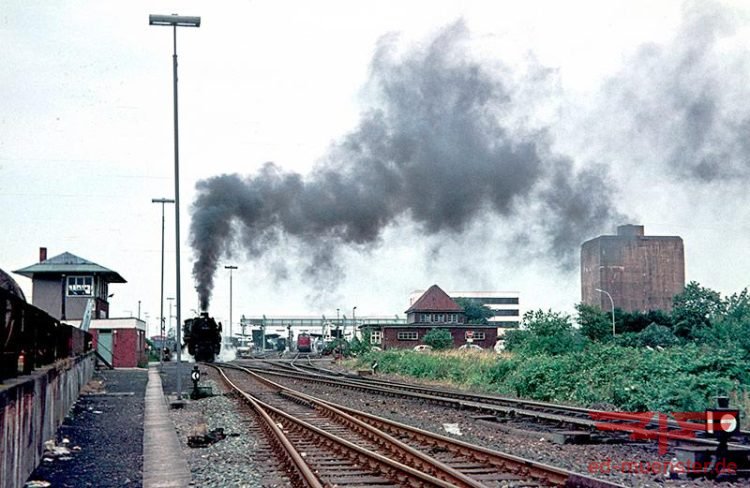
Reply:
x=435, y=300
x=67, y=263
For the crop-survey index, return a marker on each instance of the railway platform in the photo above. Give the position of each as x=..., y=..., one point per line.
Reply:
x=118, y=434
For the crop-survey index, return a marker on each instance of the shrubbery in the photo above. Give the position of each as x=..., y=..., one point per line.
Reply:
x=655, y=361
x=544, y=333
x=438, y=339
x=681, y=378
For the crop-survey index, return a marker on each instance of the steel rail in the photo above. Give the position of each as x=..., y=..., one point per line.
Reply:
x=297, y=461
x=375, y=428
x=394, y=469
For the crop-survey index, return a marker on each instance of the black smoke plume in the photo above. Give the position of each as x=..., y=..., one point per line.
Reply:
x=437, y=148
x=681, y=105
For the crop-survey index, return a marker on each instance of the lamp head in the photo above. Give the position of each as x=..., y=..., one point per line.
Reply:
x=174, y=20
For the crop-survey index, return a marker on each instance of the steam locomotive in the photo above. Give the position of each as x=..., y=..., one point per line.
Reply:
x=203, y=337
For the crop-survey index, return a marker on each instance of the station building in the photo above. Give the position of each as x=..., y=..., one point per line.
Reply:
x=505, y=306
x=432, y=309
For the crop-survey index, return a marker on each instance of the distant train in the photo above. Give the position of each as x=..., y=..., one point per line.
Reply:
x=203, y=337
x=304, y=342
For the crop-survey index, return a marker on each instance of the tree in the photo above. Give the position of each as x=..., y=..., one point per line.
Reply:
x=476, y=313
x=694, y=309
x=732, y=327
x=438, y=339
x=595, y=323
x=547, y=333
x=547, y=323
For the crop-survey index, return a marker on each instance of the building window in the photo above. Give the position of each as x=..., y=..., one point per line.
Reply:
x=407, y=336
x=476, y=335
x=426, y=317
x=498, y=301
x=506, y=313
x=81, y=286
x=440, y=318
x=376, y=337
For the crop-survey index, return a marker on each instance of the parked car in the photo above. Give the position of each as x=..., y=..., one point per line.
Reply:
x=244, y=347
x=470, y=347
x=423, y=348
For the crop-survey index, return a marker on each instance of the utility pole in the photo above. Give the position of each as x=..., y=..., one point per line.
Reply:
x=174, y=21
x=161, y=293
x=230, y=268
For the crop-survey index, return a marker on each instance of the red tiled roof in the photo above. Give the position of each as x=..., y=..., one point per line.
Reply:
x=435, y=300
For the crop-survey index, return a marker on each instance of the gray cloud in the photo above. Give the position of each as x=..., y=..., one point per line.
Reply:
x=683, y=105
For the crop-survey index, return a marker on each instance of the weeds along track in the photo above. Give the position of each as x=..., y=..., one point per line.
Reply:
x=322, y=444
x=620, y=425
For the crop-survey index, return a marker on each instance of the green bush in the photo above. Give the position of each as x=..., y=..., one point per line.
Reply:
x=657, y=335
x=438, y=339
x=683, y=377
x=545, y=333
x=360, y=346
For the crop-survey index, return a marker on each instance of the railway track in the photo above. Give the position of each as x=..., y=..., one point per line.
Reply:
x=323, y=444
x=618, y=424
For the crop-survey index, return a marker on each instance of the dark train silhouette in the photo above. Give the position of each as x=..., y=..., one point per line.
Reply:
x=30, y=338
x=202, y=335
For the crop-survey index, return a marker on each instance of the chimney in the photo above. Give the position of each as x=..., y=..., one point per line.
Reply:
x=42, y=254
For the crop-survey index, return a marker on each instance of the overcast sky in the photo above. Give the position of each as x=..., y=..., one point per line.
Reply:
x=474, y=145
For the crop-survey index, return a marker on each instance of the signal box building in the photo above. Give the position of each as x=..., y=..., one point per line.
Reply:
x=63, y=285
x=640, y=272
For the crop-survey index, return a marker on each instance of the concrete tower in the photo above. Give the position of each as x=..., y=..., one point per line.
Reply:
x=640, y=272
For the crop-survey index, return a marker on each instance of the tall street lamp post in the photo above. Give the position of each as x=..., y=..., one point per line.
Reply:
x=175, y=21
x=613, y=309
x=354, y=321
x=161, y=295
x=230, y=268
x=169, y=319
